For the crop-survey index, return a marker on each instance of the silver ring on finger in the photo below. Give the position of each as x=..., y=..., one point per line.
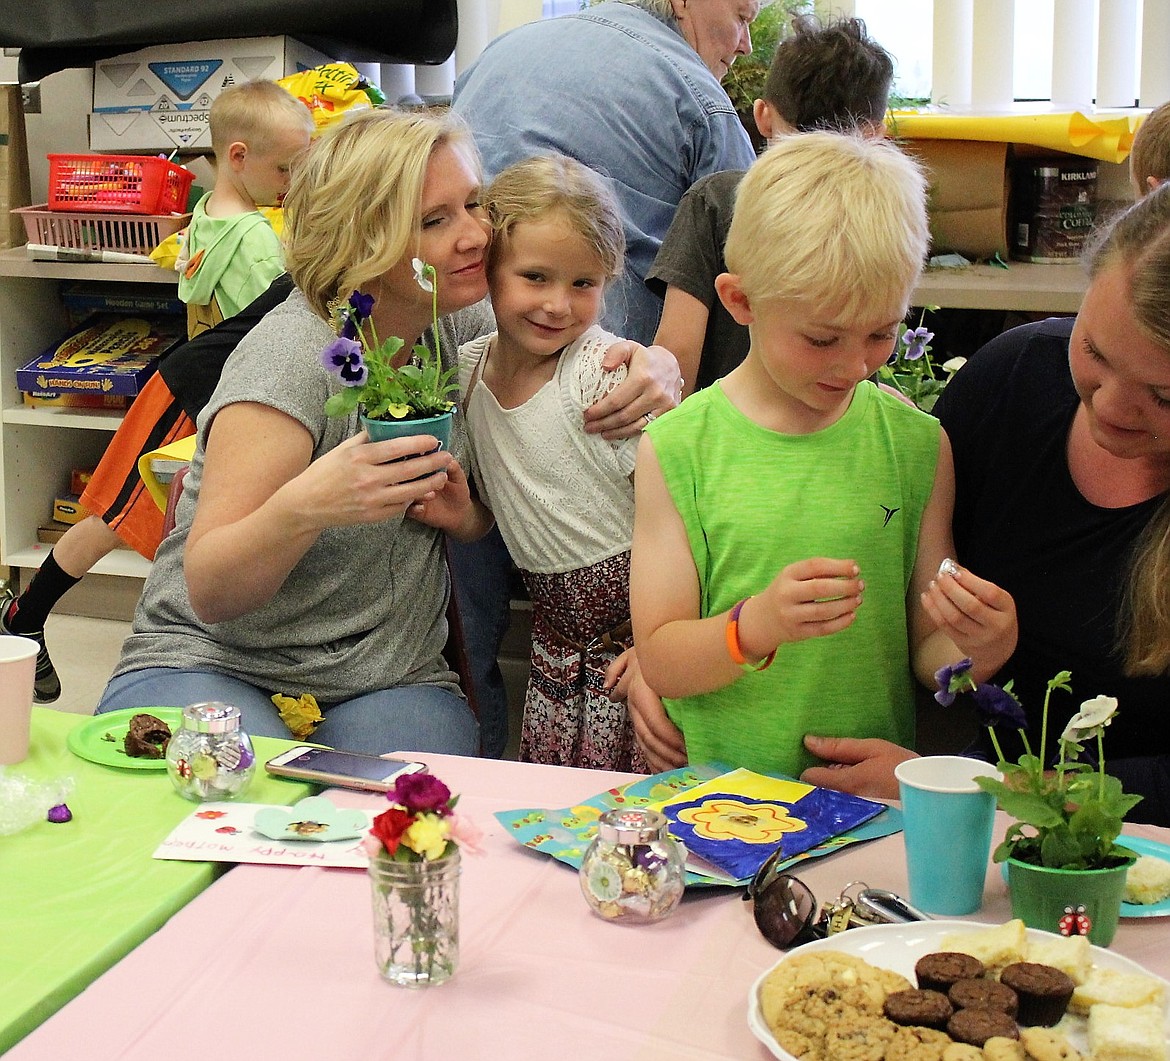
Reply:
x=650, y=417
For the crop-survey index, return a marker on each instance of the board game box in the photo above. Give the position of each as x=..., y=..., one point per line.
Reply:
x=107, y=354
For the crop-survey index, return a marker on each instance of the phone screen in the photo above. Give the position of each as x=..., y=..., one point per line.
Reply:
x=345, y=764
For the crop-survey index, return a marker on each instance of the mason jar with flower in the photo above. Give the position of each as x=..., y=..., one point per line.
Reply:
x=397, y=397
x=1065, y=868
x=414, y=851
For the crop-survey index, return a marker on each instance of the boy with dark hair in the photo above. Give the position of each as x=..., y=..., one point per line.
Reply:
x=831, y=77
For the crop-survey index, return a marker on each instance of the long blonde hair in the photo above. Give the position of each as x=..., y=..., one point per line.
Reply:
x=1139, y=240
x=352, y=208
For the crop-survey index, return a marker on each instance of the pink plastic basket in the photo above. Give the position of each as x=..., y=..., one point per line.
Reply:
x=117, y=184
x=137, y=235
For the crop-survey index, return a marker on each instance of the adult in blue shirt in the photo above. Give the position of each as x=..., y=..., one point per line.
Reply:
x=630, y=88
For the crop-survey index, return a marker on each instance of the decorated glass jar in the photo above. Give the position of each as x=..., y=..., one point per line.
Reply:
x=633, y=870
x=210, y=757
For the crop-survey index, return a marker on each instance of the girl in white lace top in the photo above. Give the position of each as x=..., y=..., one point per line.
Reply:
x=564, y=499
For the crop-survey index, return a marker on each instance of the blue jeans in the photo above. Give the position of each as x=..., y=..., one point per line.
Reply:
x=481, y=573
x=417, y=718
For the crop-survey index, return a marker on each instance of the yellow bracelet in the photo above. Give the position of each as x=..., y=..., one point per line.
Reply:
x=733, y=646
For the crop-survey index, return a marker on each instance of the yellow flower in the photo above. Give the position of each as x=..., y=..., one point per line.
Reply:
x=731, y=819
x=427, y=836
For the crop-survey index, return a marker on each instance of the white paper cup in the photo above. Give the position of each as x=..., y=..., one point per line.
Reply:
x=18, y=671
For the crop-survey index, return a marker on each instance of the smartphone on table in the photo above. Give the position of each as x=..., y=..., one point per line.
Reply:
x=330, y=766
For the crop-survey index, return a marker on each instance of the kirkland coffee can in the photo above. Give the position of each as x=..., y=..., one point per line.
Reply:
x=1054, y=206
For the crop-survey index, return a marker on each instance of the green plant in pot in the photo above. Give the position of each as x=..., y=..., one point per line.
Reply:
x=396, y=396
x=1065, y=868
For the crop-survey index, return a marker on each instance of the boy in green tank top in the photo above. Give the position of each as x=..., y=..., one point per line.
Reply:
x=791, y=519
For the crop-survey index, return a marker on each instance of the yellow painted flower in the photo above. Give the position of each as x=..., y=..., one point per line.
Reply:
x=731, y=819
x=427, y=836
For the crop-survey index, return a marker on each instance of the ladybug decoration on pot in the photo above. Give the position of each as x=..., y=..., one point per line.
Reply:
x=1075, y=922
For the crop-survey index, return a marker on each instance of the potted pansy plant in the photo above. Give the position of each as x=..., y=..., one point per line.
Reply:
x=411, y=398
x=1065, y=867
x=910, y=369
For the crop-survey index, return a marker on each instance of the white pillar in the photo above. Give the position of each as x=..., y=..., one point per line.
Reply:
x=397, y=81
x=1155, y=69
x=473, y=33
x=1074, y=55
x=992, y=54
x=951, y=61
x=1117, y=53
x=430, y=81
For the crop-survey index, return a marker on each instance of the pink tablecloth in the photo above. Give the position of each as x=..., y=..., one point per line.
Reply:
x=278, y=962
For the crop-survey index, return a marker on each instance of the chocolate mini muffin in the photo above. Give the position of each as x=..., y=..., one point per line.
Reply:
x=983, y=994
x=1043, y=991
x=147, y=737
x=926, y=1009
x=938, y=971
x=976, y=1026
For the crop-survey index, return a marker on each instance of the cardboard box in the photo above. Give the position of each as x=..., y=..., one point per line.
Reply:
x=158, y=98
x=109, y=354
x=68, y=509
x=968, y=196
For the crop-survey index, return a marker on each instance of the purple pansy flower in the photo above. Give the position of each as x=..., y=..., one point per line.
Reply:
x=343, y=358
x=994, y=705
x=419, y=793
x=951, y=679
x=915, y=340
x=362, y=305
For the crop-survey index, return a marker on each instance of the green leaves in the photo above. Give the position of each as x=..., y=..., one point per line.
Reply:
x=1068, y=817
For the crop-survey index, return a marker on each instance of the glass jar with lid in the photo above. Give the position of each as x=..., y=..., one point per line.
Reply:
x=210, y=757
x=633, y=870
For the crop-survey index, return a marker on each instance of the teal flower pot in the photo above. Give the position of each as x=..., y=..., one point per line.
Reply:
x=439, y=426
x=1068, y=901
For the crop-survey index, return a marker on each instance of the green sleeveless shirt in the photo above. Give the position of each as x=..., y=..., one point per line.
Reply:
x=754, y=501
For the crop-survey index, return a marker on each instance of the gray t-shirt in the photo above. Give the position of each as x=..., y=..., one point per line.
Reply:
x=364, y=608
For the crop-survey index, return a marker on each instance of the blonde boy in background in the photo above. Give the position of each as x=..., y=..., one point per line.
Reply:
x=232, y=255
x=1149, y=159
x=791, y=519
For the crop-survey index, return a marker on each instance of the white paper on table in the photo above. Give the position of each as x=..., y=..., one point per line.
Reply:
x=223, y=832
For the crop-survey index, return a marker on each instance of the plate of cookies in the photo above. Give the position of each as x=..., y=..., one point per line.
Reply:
x=958, y=991
x=134, y=738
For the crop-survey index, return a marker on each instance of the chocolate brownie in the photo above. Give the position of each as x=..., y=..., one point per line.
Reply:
x=147, y=737
x=938, y=971
x=927, y=1009
x=976, y=1026
x=983, y=994
x=1043, y=991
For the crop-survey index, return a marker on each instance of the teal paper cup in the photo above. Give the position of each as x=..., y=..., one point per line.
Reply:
x=947, y=821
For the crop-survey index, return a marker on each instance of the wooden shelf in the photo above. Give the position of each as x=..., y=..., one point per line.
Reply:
x=15, y=262
x=1023, y=286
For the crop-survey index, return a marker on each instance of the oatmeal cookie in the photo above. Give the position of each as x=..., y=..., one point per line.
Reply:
x=1001, y=1048
x=917, y=1044
x=1044, y=1044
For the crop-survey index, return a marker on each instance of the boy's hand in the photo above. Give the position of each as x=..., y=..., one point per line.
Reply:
x=978, y=616
x=618, y=676
x=810, y=598
x=660, y=740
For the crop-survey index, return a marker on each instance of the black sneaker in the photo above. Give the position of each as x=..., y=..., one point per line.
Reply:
x=47, y=686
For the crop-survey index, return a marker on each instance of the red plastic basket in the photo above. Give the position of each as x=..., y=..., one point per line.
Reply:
x=117, y=184
x=83, y=231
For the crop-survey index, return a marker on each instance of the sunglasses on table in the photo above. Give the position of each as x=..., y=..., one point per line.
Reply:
x=788, y=914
